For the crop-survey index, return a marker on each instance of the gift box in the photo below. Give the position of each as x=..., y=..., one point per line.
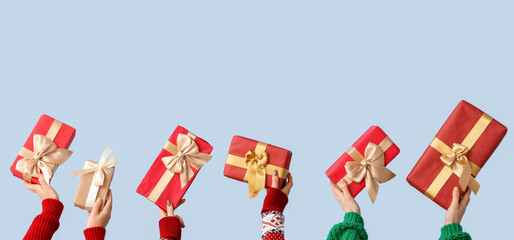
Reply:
x=457, y=153
x=95, y=180
x=254, y=162
x=363, y=164
x=45, y=149
x=175, y=168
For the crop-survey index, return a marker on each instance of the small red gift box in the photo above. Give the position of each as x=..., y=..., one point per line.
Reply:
x=457, y=153
x=255, y=162
x=374, y=149
x=175, y=168
x=44, y=150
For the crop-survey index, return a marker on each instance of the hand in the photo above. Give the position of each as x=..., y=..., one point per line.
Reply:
x=43, y=189
x=170, y=212
x=457, y=207
x=287, y=187
x=99, y=217
x=345, y=199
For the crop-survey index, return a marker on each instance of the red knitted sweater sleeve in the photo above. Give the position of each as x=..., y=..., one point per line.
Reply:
x=170, y=228
x=45, y=224
x=94, y=233
x=272, y=214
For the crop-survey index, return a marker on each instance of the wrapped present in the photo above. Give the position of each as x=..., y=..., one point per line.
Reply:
x=365, y=160
x=95, y=180
x=457, y=153
x=45, y=149
x=175, y=168
x=254, y=162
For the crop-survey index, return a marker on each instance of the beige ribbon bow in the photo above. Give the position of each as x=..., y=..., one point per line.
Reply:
x=186, y=154
x=256, y=172
x=371, y=168
x=100, y=168
x=459, y=163
x=42, y=159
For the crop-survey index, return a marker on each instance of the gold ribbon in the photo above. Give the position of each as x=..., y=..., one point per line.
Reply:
x=372, y=168
x=256, y=163
x=456, y=161
x=186, y=154
x=43, y=159
x=100, y=168
x=256, y=173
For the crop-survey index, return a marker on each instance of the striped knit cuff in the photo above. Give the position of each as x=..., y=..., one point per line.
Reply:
x=451, y=229
x=272, y=222
x=52, y=207
x=275, y=200
x=170, y=228
x=95, y=233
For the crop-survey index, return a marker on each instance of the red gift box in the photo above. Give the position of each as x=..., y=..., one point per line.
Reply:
x=375, y=138
x=254, y=162
x=175, y=168
x=459, y=150
x=50, y=130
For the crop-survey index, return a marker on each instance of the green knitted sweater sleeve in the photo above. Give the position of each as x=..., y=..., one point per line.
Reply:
x=453, y=232
x=352, y=228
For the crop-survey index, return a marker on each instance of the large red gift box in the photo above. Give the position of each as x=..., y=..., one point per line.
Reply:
x=59, y=133
x=374, y=136
x=170, y=180
x=255, y=162
x=457, y=153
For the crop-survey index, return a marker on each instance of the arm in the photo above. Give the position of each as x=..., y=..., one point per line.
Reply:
x=452, y=229
x=273, y=208
x=170, y=225
x=352, y=228
x=98, y=219
x=45, y=224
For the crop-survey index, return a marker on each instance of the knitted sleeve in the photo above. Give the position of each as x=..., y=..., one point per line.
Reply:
x=94, y=233
x=272, y=217
x=352, y=228
x=170, y=228
x=45, y=224
x=453, y=232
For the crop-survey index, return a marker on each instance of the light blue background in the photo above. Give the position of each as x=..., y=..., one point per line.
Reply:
x=310, y=76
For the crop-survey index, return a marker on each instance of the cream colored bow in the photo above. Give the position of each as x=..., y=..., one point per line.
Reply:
x=186, y=154
x=100, y=168
x=371, y=168
x=44, y=157
x=256, y=172
x=459, y=163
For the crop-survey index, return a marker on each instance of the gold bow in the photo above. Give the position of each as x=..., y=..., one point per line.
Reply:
x=372, y=168
x=100, y=168
x=43, y=159
x=256, y=173
x=185, y=154
x=460, y=165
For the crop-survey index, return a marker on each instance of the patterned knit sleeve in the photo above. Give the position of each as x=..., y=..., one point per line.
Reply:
x=45, y=224
x=272, y=215
x=453, y=232
x=352, y=228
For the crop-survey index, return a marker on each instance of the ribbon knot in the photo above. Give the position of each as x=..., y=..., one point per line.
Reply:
x=42, y=159
x=186, y=154
x=458, y=161
x=256, y=171
x=371, y=168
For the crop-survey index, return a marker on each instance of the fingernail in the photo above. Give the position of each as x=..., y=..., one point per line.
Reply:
x=169, y=203
x=275, y=173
